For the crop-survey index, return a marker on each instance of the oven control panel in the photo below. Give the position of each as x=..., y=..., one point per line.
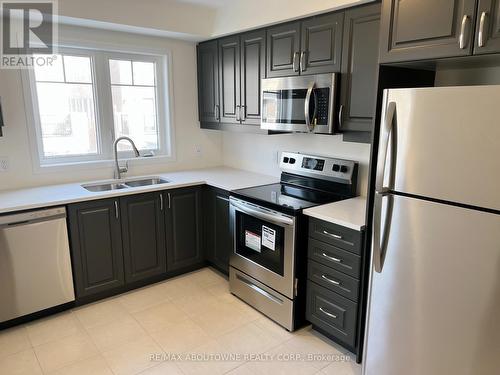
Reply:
x=321, y=167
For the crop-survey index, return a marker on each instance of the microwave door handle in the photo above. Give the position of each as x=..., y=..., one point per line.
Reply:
x=306, y=106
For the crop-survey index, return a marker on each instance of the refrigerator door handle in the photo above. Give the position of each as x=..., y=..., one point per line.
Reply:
x=386, y=129
x=379, y=240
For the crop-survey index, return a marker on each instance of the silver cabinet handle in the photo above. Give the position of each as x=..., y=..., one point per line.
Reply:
x=161, y=202
x=481, y=37
x=331, y=281
x=243, y=113
x=302, y=63
x=336, y=260
x=337, y=236
x=327, y=313
x=341, y=112
x=295, y=63
x=463, y=31
x=117, y=214
x=238, y=113
x=216, y=112
x=169, y=200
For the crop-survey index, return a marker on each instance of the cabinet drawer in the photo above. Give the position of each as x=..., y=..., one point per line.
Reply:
x=333, y=280
x=334, y=257
x=336, y=235
x=332, y=313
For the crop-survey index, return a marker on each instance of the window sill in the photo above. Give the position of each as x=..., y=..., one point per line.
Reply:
x=100, y=164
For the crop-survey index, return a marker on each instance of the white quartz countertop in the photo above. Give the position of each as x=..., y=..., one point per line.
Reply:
x=349, y=213
x=220, y=177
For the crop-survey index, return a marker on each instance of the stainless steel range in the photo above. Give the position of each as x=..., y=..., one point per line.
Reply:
x=268, y=264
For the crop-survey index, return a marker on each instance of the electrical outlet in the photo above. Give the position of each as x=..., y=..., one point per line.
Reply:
x=198, y=150
x=4, y=164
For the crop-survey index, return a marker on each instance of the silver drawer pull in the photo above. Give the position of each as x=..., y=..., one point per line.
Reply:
x=338, y=237
x=327, y=313
x=337, y=260
x=334, y=282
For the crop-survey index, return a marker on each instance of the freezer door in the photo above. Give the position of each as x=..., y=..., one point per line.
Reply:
x=447, y=143
x=434, y=308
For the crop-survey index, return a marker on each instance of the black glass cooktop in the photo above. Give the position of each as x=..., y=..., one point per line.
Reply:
x=287, y=197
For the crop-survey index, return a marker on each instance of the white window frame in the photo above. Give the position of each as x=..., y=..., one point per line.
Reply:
x=104, y=112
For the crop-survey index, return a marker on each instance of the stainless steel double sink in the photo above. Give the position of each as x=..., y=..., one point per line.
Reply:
x=107, y=186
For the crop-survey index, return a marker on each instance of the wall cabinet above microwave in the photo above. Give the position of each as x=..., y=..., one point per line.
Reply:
x=312, y=46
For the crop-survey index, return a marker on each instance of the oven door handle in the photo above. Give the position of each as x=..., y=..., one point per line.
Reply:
x=280, y=220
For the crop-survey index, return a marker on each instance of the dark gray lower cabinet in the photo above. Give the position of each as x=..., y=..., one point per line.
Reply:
x=336, y=283
x=96, y=246
x=184, y=228
x=218, y=238
x=143, y=233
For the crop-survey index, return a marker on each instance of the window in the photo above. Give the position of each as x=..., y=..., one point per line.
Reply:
x=86, y=99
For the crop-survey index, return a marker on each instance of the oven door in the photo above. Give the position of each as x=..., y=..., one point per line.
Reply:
x=299, y=104
x=264, y=245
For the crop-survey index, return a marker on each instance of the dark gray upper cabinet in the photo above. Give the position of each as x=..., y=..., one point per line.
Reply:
x=229, y=73
x=208, y=84
x=96, y=246
x=252, y=70
x=487, y=39
x=218, y=237
x=426, y=29
x=283, y=50
x=184, y=228
x=321, y=44
x=358, y=86
x=143, y=230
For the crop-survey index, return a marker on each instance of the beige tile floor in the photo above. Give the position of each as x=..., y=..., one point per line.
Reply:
x=193, y=316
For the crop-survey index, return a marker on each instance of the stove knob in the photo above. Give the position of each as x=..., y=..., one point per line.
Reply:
x=336, y=168
x=343, y=169
x=285, y=159
x=292, y=161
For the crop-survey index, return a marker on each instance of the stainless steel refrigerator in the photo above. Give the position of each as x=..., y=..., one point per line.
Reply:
x=434, y=304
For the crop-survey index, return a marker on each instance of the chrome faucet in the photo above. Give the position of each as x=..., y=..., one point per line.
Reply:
x=119, y=170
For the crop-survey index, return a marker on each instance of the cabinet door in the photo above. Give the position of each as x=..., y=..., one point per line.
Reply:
x=223, y=235
x=208, y=84
x=253, y=67
x=488, y=27
x=96, y=246
x=184, y=228
x=358, y=86
x=283, y=50
x=426, y=29
x=229, y=73
x=321, y=44
x=218, y=237
x=143, y=229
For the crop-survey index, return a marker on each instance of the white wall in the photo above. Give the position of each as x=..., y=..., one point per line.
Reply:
x=15, y=143
x=256, y=152
x=240, y=15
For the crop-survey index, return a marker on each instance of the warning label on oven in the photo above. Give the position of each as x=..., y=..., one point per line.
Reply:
x=268, y=238
x=252, y=241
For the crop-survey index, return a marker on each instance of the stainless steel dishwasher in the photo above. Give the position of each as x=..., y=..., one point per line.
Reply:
x=35, y=264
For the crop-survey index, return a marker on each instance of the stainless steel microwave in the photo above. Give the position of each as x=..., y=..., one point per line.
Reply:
x=303, y=104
